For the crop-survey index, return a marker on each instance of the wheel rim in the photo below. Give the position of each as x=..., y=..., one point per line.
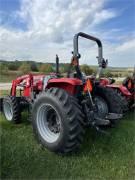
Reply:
x=101, y=107
x=48, y=123
x=8, y=110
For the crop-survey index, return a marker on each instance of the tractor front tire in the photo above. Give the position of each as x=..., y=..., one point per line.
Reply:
x=58, y=121
x=11, y=109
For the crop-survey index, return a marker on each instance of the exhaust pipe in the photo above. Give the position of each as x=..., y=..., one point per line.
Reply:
x=57, y=65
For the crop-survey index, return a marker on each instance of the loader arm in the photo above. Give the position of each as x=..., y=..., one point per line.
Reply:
x=19, y=80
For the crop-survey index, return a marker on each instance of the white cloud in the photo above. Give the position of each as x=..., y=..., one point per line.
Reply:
x=103, y=16
x=58, y=19
x=121, y=54
x=127, y=46
x=51, y=26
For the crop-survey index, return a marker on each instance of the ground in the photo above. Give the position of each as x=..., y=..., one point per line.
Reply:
x=101, y=156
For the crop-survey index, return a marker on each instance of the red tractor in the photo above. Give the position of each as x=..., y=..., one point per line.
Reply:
x=129, y=83
x=126, y=90
x=62, y=107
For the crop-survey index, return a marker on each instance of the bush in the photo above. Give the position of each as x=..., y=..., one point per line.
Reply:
x=3, y=69
x=25, y=68
x=107, y=73
x=46, y=68
x=34, y=66
x=64, y=68
x=87, y=70
x=12, y=66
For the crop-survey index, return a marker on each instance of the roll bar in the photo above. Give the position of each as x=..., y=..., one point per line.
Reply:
x=75, y=46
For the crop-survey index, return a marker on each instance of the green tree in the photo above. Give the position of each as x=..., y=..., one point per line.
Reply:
x=86, y=69
x=34, y=66
x=64, y=68
x=25, y=68
x=46, y=68
x=107, y=74
x=3, y=69
x=13, y=66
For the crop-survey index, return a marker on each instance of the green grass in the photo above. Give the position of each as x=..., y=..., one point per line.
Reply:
x=110, y=157
x=9, y=76
x=6, y=78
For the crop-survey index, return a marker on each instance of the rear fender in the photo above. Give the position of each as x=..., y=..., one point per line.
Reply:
x=122, y=89
x=125, y=91
x=68, y=84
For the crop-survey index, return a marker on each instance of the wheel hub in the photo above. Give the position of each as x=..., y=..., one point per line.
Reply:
x=53, y=121
x=8, y=110
x=48, y=123
x=101, y=107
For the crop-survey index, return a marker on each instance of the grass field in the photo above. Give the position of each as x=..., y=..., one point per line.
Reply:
x=9, y=76
x=110, y=157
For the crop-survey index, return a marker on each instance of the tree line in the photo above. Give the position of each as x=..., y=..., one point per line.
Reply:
x=31, y=66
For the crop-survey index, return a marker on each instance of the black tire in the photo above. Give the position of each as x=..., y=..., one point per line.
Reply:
x=1, y=104
x=112, y=98
x=124, y=102
x=11, y=109
x=101, y=107
x=71, y=120
x=30, y=107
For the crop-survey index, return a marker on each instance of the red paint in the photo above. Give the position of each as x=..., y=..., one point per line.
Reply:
x=104, y=81
x=68, y=84
x=121, y=88
x=26, y=81
x=73, y=81
x=35, y=82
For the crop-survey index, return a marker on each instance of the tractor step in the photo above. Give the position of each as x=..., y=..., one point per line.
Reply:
x=101, y=122
x=113, y=116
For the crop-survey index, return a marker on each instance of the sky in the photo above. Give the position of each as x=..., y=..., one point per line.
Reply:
x=39, y=29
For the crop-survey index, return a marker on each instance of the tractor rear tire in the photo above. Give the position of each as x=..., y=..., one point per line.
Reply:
x=124, y=101
x=58, y=121
x=112, y=98
x=11, y=109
